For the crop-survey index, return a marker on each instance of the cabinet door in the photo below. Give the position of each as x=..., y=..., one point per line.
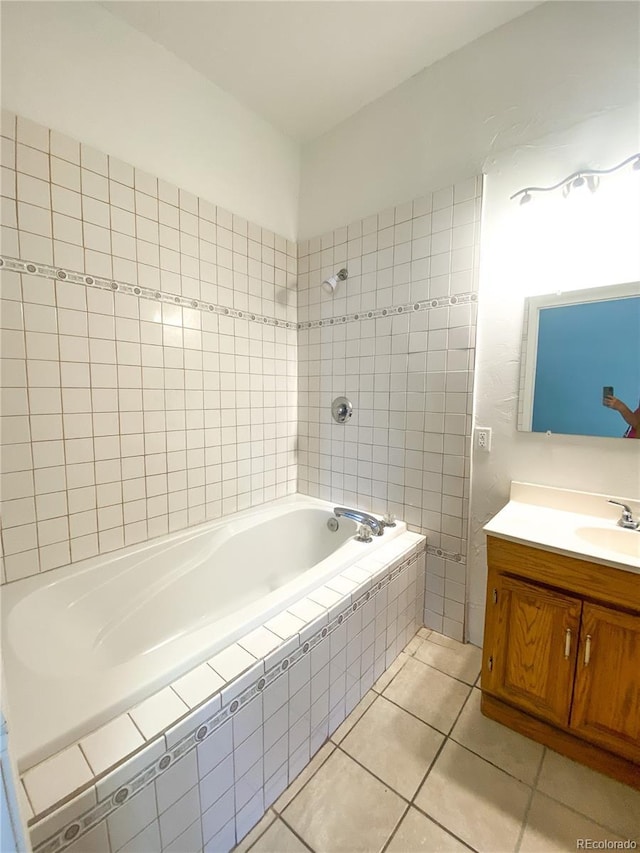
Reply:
x=534, y=648
x=606, y=703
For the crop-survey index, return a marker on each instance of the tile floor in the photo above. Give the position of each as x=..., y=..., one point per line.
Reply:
x=416, y=767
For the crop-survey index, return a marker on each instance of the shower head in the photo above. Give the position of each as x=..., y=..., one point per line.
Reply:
x=330, y=283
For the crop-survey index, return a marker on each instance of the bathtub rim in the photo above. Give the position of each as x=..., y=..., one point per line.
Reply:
x=21, y=587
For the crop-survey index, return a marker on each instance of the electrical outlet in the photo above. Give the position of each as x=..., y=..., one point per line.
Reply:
x=483, y=439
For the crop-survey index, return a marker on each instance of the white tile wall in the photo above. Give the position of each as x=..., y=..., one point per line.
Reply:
x=124, y=418
x=409, y=375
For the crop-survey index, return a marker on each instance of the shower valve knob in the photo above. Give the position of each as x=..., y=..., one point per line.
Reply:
x=341, y=410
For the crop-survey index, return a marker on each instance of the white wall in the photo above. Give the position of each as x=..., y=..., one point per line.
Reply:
x=553, y=243
x=544, y=71
x=82, y=71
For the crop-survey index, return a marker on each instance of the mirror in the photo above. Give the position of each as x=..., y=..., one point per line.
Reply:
x=576, y=348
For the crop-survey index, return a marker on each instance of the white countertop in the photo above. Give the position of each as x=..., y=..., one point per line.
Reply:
x=578, y=524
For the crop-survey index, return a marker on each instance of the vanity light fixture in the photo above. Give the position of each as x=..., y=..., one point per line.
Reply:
x=590, y=177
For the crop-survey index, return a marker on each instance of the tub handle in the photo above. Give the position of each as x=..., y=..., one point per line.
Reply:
x=364, y=533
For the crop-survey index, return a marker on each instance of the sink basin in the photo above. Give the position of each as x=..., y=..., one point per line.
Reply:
x=577, y=524
x=612, y=539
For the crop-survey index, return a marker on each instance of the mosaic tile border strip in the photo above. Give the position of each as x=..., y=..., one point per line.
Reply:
x=95, y=815
x=446, y=555
x=390, y=311
x=51, y=272
x=48, y=271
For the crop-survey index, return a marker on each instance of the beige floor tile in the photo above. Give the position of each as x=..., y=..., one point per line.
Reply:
x=279, y=839
x=463, y=661
x=343, y=730
x=553, y=828
x=512, y=752
x=428, y=693
x=391, y=672
x=600, y=798
x=449, y=642
x=417, y=833
x=344, y=808
x=412, y=645
x=300, y=781
x=479, y=803
x=395, y=746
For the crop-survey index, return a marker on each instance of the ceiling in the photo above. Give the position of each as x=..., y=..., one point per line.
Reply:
x=306, y=65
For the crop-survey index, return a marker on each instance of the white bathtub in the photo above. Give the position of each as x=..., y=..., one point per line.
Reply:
x=86, y=642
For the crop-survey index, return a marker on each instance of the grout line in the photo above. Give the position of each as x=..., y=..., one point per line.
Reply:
x=525, y=817
x=581, y=814
x=430, y=768
x=446, y=734
x=437, y=755
x=410, y=803
x=488, y=761
x=307, y=781
x=364, y=713
x=455, y=677
x=443, y=827
x=566, y=805
x=297, y=835
x=255, y=841
x=371, y=773
x=483, y=757
x=395, y=829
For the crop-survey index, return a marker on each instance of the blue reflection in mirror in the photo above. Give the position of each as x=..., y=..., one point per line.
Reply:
x=582, y=348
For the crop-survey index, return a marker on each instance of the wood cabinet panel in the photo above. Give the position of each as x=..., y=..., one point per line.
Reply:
x=606, y=704
x=535, y=646
x=603, y=584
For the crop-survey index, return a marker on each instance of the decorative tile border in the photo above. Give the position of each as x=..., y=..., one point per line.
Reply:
x=446, y=555
x=52, y=272
x=98, y=813
x=47, y=271
x=393, y=310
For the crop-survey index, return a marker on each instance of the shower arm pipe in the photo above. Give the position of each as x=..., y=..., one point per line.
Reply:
x=582, y=173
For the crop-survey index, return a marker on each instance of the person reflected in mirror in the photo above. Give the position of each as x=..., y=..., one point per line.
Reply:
x=632, y=418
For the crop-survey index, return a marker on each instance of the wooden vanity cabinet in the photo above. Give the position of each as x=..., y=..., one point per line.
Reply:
x=606, y=698
x=561, y=655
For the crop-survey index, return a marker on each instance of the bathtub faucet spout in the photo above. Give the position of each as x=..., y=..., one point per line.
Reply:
x=376, y=526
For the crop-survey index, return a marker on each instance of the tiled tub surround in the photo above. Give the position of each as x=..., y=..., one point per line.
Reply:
x=398, y=339
x=105, y=634
x=197, y=764
x=131, y=412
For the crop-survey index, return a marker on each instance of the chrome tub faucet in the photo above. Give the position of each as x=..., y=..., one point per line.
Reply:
x=377, y=528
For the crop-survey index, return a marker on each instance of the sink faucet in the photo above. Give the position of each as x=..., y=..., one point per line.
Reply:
x=361, y=517
x=626, y=519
